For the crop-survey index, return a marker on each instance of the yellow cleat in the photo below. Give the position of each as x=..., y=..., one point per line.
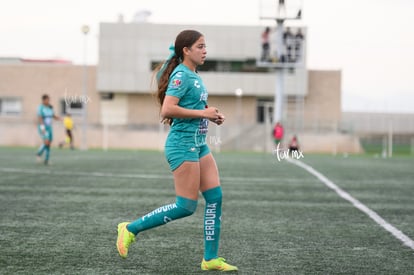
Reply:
x=125, y=238
x=217, y=264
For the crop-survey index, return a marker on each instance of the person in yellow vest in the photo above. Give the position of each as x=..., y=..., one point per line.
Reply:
x=68, y=124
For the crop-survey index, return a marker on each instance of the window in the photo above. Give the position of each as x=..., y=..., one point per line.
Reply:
x=107, y=96
x=264, y=110
x=10, y=106
x=74, y=106
x=236, y=66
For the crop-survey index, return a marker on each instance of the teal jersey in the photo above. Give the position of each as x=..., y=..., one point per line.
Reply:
x=188, y=87
x=47, y=114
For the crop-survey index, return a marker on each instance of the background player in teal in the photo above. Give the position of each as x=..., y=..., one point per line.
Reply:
x=183, y=98
x=45, y=115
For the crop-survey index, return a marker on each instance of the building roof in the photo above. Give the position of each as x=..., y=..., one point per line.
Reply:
x=19, y=60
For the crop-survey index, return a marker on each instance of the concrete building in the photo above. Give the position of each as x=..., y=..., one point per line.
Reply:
x=122, y=111
x=23, y=82
x=128, y=52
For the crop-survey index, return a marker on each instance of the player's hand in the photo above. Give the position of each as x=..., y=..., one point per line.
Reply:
x=211, y=113
x=219, y=120
x=166, y=120
x=43, y=129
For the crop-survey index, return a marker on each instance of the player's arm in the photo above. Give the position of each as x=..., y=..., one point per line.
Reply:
x=170, y=109
x=40, y=120
x=54, y=116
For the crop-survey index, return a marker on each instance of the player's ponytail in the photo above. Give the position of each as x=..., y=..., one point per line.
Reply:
x=163, y=75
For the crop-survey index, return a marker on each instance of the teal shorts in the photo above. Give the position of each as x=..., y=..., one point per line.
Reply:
x=47, y=134
x=179, y=149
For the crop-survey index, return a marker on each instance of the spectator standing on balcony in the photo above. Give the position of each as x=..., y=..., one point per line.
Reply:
x=288, y=41
x=298, y=45
x=265, y=45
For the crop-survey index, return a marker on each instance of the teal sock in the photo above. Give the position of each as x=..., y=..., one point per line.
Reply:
x=47, y=149
x=182, y=207
x=41, y=150
x=212, y=222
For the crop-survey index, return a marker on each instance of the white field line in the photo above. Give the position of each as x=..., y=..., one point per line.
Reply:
x=117, y=175
x=346, y=196
x=82, y=174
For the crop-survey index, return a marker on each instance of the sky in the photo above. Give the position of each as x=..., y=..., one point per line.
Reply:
x=370, y=41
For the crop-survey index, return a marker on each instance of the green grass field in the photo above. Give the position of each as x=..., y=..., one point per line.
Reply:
x=277, y=218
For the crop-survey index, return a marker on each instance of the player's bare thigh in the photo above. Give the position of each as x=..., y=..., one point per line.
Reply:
x=209, y=176
x=187, y=180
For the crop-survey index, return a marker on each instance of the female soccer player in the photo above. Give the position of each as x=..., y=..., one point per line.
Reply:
x=45, y=116
x=183, y=99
